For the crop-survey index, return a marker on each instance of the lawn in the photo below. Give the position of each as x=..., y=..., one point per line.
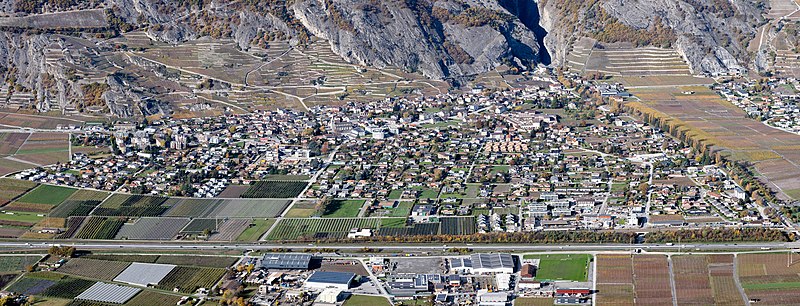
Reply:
x=46, y=194
x=366, y=300
x=258, y=228
x=21, y=216
x=572, y=267
x=403, y=209
x=343, y=208
x=393, y=222
x=395, y=194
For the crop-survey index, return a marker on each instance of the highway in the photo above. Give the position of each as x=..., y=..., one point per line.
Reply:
x=405, y=248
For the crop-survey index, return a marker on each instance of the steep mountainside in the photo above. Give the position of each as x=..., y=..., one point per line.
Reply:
x=712, y=35
x=66, y=61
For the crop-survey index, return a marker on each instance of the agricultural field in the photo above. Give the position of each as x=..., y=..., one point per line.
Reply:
x=458, y=225
x=36, y=122
x=11, y=142
x=45, y=148
x=197, y=261
x=255, y=229
x=225, y=208
x=768, y=278
x=705, y=115
x=80, y=203
x=11, y=189
x=148, y=298
x=99, y=228
x=319, y=228
x=533, y=301
x=200, y=225
x=8, y=166
x=152, y=228
x=343, y=208
x=231, y=229
x=302, y=209
x=572, y=267
x=652, y=279
x=93, y=268
x=614, y=280
x=72, y=226
x=189, y=279
x=41, y=199
x=705, y=280
x=20, y=219
x=49, y=286
x=275, y=189
x=366, y=300
x=14, y=264
x=132, y=206
x=401, y=209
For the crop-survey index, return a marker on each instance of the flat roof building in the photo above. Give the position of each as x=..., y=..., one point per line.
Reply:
x=492, y=263
x=322, y=280
x=286, y=261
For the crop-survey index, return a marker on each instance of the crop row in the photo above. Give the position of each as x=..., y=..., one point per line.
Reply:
x=100, y=228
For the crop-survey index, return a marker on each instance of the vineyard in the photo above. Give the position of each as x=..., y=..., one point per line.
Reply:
x=198, y=261
x=100, y=228
x=227, y=208
x=290, y=229
x=73, y=224
x=274, y=189
x=17, y=263
x=148, y=298
x=79, y=203
x=458, y=225
x=11, y=188
x=152, y=228
x=231, y=229
x=189, y=279
x=198, y=226
x=132, y=206
x=67, y=288
x=93, y=268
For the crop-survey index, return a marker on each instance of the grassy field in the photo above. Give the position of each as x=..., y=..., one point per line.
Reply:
x=366, y=300
x=533, y=302
x=343, y=208
x=258, y=227
x=46, y=194
x=16, y=263
x=572, y=267
x=19, y=216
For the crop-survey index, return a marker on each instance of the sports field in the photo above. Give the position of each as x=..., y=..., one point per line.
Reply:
x=572, y=267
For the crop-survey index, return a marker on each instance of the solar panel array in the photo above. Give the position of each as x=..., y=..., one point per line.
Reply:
x=108, y=293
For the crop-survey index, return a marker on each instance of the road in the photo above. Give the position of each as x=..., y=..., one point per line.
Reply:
x=405, y=248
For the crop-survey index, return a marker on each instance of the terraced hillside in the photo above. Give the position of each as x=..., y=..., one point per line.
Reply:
x=588, y=56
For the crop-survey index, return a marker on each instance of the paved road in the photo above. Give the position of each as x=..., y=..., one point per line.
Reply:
x=689, y=247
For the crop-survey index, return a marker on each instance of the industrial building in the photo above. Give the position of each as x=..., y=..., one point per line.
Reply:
x=492, y=263
x=286, y=261
x=322, y=280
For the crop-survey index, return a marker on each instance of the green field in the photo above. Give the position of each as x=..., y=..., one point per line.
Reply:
x=572, y=267
x=343, y=208
x=46, y=194
x=394, y=194
x=366, y=300
x=403, y=209
x=19, y=216
x=768, y=286
x=258, y=227
x=16, y=263
x=393, y=222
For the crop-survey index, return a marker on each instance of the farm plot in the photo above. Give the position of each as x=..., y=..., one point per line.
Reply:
x=614, y=280
x=45, y=148
x=148, y=298
x=36, y=122
x=93, y=268
x=11, y=188
x=11, y=142
x=767, y=278
x=231, y=229
x=99, y=228
x=275, y=189
x=132, y=206
x=458, y=225
x=20, y=219
x=47, y=194
x=191, y=207
x=417, y=229
x=572, y=267
x=189, y=279
x=255, y=229
x=73, y=224
x=17, y=263
x=8, y=166
x=144, y=274
x=65, y=287
x=319, y=228
x=80, y=203
x=199, y=226
x=197, y=261
x=692, y=280
x=31, y=286
x=629, y=61
x=247, y=208
x=652, y=280
x=152, y=228
x=343, y=208
x=108, y=293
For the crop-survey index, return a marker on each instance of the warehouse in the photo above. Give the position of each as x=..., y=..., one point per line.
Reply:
x=492, y=263
x=322, y=280
x=286, y=261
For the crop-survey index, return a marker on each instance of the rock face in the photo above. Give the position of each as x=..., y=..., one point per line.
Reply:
x=711, y=35
x=435, y=38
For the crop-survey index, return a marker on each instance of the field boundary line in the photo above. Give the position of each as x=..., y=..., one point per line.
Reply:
x=737, y=281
